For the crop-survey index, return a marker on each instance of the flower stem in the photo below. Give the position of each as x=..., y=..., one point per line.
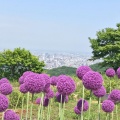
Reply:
x=110, y=85
x=27, y=106
x=116, y=112
x=41, y=111
x=99, y=101
x=3, y=116
x=82, y=102
x=31, y=107
x=17, y=101
x=90, y=104
x=22, y=108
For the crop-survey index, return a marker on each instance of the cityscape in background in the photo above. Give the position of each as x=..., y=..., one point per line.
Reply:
x=54, y=60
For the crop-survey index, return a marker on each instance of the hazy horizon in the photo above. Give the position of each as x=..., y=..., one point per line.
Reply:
x=63, y=25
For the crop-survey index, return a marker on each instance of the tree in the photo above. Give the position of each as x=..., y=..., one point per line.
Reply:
x=107, y=46
x=14, y=63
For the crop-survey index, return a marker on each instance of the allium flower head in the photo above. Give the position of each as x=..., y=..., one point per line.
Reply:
x=109, y=98
x=99, y=92
x=34, y=83
x=6, y=88
x=21, y=80
x=53, y=80
x=38, y=100
x=118, y=72
x=22, y=88
x=46, y=78
x=76, y=110
x=115, y=95
x=85, y=105
x=63, y=97
x=92, y=80
x=4, y=80
x=4, y=103
x=50, y=94
x=107, y=106
x=110, y=72
x=45, y=102
x=80, y=72
x=65, y=85
x=11, y=115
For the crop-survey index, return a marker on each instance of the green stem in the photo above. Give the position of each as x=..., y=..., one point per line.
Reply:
x=22, y=108
x=90, y=104
x=110, y=85
x=63, y=117
x=27, y=106
x=48, y=113
x=109, y=116
x=61, y=110
x=41, y=112
x=38, y=115
x=106, y=116
x=99, y=99
x=116, y=111
x=17, y=101
x=3, y=116
x=82, y=102
x=31, y=107
x=112, y=115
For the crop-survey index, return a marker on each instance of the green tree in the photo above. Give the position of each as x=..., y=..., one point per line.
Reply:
x=107, y=46
x=14, y=63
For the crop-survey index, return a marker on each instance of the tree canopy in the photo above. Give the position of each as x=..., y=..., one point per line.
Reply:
x=14, y=63
x=107, y=46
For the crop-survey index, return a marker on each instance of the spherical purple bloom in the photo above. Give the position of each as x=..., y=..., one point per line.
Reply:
x=11, y=115
x=115, y=95
x=92, y=80
x=4, y=102
x=118, y=72
x=6, y=88
x=53, y=80
x=22, y=88
x=34, y=83
x=50, y=94
x=80, y=72
x=65, y=85
x=109, y=98
x=45, y=102
x=85, y=105
x=110, y=72
x=63, y=97
x=38, y=100
x=107, y=106
x=21, y=80
x=4, y=80
x=76, y=110
x=99, y=92
x=46, y=78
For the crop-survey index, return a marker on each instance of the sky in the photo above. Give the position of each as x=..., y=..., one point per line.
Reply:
x=55, y=25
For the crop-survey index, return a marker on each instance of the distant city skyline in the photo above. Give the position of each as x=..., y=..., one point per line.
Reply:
x=55, y=25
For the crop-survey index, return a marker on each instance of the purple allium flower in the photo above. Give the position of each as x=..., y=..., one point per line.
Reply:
x=34, y=83
x=50, y=94
x=76, y=110
x=4, y=102
x=21, y=80
x=107, y=106
x=118, y=72
x=46, y=78
x=82, y=70
x=53, y=80
x=22, y=88
x=99, y=92
x=85, y=105
x=6, y=88
x=92, y=80
x=45, y=102
x=64, y=97
x=38, y=100
x=11, y=115
x=4, y=80
x=109, y=98
x=65, y=85
x=115, y=95
x=110, y=72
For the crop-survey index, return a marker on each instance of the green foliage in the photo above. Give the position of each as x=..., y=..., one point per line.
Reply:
x=107, y=46
x=62, y=70
x=16, y=98
x=98, y=67
x=14, y=63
